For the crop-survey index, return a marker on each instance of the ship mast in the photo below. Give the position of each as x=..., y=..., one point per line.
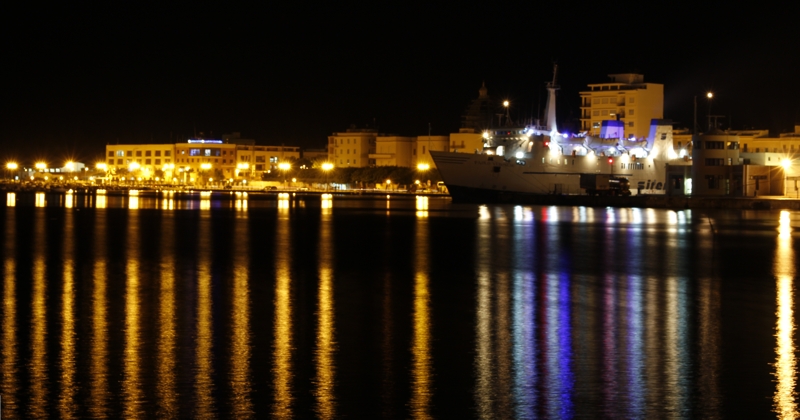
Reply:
x=550, y=109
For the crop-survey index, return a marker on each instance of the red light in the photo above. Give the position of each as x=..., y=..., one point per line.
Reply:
x=547, y=143
x=611, y=160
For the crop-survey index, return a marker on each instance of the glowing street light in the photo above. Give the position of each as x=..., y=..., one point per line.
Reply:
x=70, y=166
x=41, y=166
x=101, y=166
x=327, y=166
x=284, y=166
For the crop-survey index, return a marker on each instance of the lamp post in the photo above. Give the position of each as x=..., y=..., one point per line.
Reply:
x=787, y=164
x=284, y=167
x=205, y=167
x=327, y=166
x=710, y=96
x=11, y=167
x=423, y=167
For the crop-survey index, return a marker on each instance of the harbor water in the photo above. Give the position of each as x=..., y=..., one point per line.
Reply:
x=176, y=305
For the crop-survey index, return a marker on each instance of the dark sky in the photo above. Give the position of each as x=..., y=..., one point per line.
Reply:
x=77, y=78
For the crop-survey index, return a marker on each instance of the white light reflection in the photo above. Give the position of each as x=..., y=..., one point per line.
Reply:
x=422, y=206
x=40, y=200
x=636, y=214
x=611, y=216
x=69, y=200
x=483, y=212
x=11, y=199
x=205, y=200
x=241, y=200
x=552, y=214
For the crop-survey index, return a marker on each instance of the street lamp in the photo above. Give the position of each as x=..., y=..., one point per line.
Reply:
x=284, y=167
x=787, y=164
x=205, y=167
x=70, y=166
x=423, y=167
x=11, y=167
x=327, y=166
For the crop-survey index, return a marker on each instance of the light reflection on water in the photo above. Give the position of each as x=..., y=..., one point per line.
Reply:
x=38, y=404
x=786, y=362
x=422, y=362
x=549, y=312
x=326, y=329
x=98, y=388
x=241, y=354
x=68, y=387
x=282, y=347
x=166, y=363
x=132, y=393
x=8, y=350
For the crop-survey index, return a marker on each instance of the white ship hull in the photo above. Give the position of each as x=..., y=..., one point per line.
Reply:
x=482, y=177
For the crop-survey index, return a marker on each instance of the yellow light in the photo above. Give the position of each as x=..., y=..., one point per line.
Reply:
x=40, y=165
x=284, y=166
x=709, y=95
x=505, y=104
x=294, y=179
x=11, y=166
x=205, y=166
x=423, y=166
x=101, y=166
x=786, y=163
x=327, y=166
x=243, y=166
x=388, y=181
x=70, y=165
x=134, y=166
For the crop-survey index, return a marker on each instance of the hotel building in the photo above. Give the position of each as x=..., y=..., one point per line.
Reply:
x=627, y=99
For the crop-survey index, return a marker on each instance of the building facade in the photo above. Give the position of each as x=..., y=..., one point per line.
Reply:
x=147, y=161
x=351, y=148
x=625, y=98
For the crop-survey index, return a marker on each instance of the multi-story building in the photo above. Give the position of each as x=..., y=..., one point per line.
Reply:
x=352, y=147
x=147, y=161
x=203, y=159
x=421, y=154
x=626, y=98
x=393, y=151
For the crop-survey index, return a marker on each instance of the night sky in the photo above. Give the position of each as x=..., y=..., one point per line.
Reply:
x=77, y=78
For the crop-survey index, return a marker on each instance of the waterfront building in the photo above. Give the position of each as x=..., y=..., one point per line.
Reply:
x=202, y=160
x=421, y=154
x=625, y=98
x=394, y=151
x=351, y=148
x=147, y=161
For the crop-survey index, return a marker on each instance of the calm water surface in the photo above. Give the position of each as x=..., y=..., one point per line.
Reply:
x=226, y=305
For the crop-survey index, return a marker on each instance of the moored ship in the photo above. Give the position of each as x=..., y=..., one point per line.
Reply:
x=531, y=159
